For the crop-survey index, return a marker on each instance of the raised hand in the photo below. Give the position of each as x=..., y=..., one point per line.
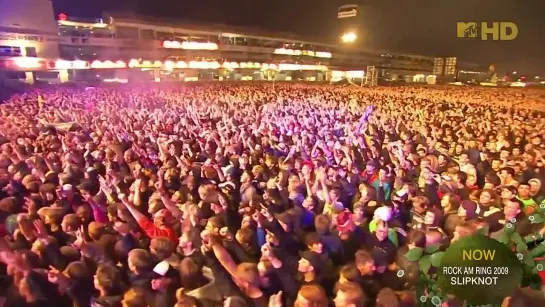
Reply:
x=222, y=201
x=224, y=232
x=216, y=166
x=266, y=251
x=121, y=228
x=39, y=229
x=88, y=198
x=266, y=214
x=123, y=197
x=102, y=181
x=276, y=300
x=80, y=241
x=54, y=276
x=161, y=173
x=171, y=150
x=205, y=236
x=25, y=226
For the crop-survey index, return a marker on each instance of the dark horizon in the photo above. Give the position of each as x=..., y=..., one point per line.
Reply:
x=425, y=27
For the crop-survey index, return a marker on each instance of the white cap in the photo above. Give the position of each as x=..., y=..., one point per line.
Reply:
x=161, y=268
x=67, y=188
x=338, y=206
x=383, y=213
x=227, y=183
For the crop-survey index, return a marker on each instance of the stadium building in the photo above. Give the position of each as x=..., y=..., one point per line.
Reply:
x=36, y=45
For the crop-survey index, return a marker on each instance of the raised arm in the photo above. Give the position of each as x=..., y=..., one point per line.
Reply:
x=137, y=215
x=325, y=189
x=224, y=257
x=170, y=205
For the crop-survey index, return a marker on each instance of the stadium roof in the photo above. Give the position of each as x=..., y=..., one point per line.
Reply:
x=236, y=30
x=199, y=26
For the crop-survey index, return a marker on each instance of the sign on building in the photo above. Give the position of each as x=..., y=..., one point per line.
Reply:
x=347, y=11
x=505, y=31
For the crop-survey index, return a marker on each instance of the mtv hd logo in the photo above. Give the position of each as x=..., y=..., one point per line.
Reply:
x=467, y=29
x=505, y=31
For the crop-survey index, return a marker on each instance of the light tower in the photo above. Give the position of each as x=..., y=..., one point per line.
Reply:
x=348, y=23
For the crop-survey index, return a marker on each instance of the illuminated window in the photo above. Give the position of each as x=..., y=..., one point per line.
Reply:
x=10, y=51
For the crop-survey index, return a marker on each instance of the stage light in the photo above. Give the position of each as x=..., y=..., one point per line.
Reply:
x=349, y=37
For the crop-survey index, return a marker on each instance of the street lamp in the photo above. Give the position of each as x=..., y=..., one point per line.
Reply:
x=349, y=37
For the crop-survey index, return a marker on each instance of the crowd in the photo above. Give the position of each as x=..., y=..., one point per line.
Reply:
x=254, y=195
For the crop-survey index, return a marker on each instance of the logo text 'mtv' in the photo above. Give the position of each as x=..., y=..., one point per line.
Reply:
x=504, y=31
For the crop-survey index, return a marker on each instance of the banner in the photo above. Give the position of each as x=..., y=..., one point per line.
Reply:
x=58, y=126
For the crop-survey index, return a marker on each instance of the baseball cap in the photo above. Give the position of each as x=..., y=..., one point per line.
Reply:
x=383, y=213
x=534, y=180
x=313, y=258
x=163, y=270
x=380, y=257
x=338, y=207
x=67, y=188
x=227, y=185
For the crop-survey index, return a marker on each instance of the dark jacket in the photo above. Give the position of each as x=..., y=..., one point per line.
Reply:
x=208, y=292
x=107, y=301
x=451, y=221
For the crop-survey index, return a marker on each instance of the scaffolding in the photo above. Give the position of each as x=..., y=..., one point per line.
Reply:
x=371, y=77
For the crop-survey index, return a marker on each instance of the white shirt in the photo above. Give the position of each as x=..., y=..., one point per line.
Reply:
x=469, y=169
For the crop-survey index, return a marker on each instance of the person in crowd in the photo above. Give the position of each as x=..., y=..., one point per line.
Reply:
x=227, y=194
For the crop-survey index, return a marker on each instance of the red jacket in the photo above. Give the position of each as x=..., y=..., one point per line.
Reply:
x=154, y=232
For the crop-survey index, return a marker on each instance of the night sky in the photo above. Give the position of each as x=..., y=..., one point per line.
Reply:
x=426, y=27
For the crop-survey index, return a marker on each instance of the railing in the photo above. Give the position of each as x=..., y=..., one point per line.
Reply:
x=150, y=45
x=109, y=42
x=238, y=48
